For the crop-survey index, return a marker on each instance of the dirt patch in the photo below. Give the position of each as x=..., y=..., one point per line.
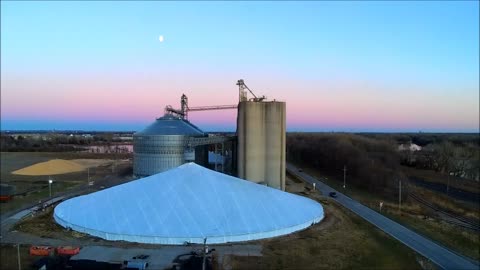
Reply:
x=294, y=187
x=328, y=221
x=42, y=224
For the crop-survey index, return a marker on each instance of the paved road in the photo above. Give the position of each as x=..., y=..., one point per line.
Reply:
x=440, y=255
x=8, y=222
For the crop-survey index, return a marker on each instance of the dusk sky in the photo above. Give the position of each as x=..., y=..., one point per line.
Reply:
x=340, y=66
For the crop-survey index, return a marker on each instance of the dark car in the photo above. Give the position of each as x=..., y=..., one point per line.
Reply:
x=141, y=257
x=333, y=194
x=300, y=170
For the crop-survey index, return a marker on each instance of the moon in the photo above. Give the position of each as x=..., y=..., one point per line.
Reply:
x=160, y=38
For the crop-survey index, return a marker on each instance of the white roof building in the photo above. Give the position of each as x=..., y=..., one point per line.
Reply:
x=188, y=204
x=409, y=147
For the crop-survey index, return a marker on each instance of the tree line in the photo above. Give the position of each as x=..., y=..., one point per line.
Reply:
x=52, y=142
x=460, y=160
x=372, y=163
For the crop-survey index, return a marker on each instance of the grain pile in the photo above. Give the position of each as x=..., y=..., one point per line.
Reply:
x=51, y=167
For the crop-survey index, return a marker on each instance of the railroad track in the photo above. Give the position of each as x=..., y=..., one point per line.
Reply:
x=454, y=219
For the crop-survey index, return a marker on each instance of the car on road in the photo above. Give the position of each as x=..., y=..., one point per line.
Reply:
x=300, y=170
x=141, y=257
x=332, y=194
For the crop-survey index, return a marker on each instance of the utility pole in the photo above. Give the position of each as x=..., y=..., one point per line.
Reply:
x=400, y=195
x=448, y=182
x=344, y=175
x=222, y=159
x=215, y=155
x=18, y=257
x=88, y=176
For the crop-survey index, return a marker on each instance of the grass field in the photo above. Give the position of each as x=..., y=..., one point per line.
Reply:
x=456, y=238
x=37, y=186
x=9, y=257
x=341, y=241
x=44, y=225
x=463, y=241
x=20, y=202
x=454, y=206
x=435, y=177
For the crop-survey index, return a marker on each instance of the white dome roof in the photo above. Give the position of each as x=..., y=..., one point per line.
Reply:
x=187, y=204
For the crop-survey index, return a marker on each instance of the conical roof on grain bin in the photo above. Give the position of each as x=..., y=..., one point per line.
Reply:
x=187, y=204
x=170, y=125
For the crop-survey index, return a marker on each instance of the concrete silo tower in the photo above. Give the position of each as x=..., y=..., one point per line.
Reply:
x=261, y=131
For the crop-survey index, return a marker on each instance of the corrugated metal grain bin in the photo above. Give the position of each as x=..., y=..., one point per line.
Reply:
x=162, y=145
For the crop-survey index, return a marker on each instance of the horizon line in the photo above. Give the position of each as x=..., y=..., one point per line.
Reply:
x=232, y=131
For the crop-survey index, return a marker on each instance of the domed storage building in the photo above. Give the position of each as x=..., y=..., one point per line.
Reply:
x=188, y=204
x=162, y=146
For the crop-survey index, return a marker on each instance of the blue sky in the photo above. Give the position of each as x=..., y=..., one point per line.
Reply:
x=337, y=64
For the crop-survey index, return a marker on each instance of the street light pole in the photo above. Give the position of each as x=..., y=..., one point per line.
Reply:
x=204, y=253
x=400, y=195
x=344, y=175
x=50, y=181
x=18, y=257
